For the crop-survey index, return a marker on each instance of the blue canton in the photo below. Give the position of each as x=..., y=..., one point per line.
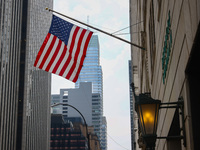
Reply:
x=60, y=28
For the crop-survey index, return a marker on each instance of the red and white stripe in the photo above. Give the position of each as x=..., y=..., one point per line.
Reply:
x=64, y=60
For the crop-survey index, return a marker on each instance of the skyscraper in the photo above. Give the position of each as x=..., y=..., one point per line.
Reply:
x=104, y=133
x=92, y=72
x=97, y=114
x=24, y=91
x=38, y=82
x=88, y=103
x=132, y=109
x=81, y=98
x=65, y=135
x=10, y=45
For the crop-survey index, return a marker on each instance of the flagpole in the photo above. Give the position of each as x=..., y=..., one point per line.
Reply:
x=97, y=29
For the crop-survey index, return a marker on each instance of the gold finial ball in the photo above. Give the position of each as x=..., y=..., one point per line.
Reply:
x=47, y=8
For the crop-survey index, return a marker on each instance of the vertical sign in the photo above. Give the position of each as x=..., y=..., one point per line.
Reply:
x=166, y=48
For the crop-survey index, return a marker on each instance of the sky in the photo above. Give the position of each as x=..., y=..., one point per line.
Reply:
x=110, y=16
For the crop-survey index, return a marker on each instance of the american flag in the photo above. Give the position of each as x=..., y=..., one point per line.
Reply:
x=64, y=49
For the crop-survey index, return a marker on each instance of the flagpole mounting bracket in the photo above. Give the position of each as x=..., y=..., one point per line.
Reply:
x=133, y=44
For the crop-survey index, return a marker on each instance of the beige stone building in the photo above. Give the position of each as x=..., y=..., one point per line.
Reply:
x=168, y=68
x=94, y=140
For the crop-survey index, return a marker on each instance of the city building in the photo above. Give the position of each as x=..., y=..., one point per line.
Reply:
x=65, y=136
x=96, y=113
x=132, y=108
x=168, y=67
x=81, y=98
x=88, y=103
x=104, y=144
x=92, y=72
x=24, y=91
x=55, y=99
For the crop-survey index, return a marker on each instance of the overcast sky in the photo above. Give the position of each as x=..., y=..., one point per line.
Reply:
x=111, y=16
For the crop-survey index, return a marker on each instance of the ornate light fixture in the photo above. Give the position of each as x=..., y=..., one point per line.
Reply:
x=147, y=109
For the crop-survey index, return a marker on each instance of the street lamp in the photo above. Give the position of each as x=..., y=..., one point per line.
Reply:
x=147, y=109
x=88, y=136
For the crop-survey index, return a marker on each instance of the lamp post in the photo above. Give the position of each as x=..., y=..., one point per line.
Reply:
x=88, y=137
x=147, y=109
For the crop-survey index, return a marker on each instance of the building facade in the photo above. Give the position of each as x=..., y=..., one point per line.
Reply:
x=104, y=134
x=38, y=82
x=167, y=68
x=24, y=91
x=80, y=98
x=88, y=103
x=92, y=72
x=96, y=113
x=65, y=136
x=132, y=108
x=10, y=45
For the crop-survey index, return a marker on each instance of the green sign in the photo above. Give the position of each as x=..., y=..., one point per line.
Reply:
x=166, y=48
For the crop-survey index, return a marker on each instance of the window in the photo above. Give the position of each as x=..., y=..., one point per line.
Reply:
x=75, y=135
x=95, y=95
x=65, y=97
x=152, y=41
x=159, y=8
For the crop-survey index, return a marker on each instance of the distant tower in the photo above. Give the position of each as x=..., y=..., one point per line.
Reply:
x=88, y=103
x=81, y=98
x=104, y=133
x=92, y=72
x=131, y=106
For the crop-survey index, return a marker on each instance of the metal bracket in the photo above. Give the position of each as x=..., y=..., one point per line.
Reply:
x=179, y=104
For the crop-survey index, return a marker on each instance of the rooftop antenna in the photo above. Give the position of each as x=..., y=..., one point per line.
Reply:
x=87, y=22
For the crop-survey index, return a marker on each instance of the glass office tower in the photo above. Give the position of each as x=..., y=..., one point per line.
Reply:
x=92, y=72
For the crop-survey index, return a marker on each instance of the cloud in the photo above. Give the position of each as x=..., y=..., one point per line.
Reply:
x=116, y=93
x=119, y=133
x=78, y=10
x=58, y=83
x=118, y=63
